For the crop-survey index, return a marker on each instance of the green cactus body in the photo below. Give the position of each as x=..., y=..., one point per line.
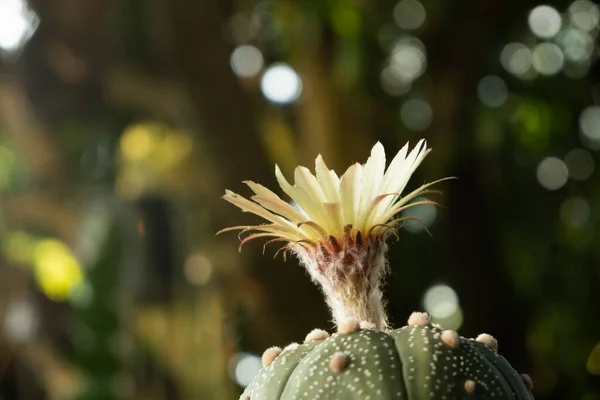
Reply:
x=412, y=363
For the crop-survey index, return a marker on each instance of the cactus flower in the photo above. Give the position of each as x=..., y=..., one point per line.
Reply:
x=340, y=225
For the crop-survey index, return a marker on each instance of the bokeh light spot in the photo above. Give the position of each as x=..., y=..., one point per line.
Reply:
x=552, y=173
x=17, y=24
x=416, y=114
x=136, y=142
x=575, y=212
x=589, y=123
x=580, y=164
x=516, y=58
x=20, y=320
x=198, y=269
x=577, y=45
x=244, y=367
x=548, y=58
x=440, y=301
x=409, y=14
x=584, y=14
x=593, y=362
x=424, y=216
x=408, y=60
x=393, y=83
x=492, y=91
x=281, y=84
x=56, y=269
x=544, y=21
x=246, y=61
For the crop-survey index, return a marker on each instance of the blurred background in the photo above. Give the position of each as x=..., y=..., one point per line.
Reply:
x=122, y=122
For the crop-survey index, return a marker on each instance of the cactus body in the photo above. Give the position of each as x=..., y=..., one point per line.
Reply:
x=412, y=363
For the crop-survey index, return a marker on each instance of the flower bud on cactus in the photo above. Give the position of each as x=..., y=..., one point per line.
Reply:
x=339, y=233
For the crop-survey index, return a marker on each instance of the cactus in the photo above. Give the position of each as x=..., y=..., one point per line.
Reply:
x=339, y=234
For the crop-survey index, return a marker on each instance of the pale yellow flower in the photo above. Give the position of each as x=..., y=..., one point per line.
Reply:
x=340, y=225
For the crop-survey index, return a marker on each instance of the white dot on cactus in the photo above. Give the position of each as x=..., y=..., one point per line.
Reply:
x=527, y=381
x=470, y=386
x=316, y=334
x=419, y=319
x=348, y=326
x=489, y=340
x=244, y=367
x=269, y=355
x=338, y=362
x=367, y=325
x=451, y=338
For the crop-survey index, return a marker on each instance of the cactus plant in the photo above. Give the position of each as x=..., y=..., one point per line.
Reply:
x=338, y=232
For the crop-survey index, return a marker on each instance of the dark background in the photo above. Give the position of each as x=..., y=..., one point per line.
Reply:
x=121, y=124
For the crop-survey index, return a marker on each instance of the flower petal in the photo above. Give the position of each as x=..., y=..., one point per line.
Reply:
x=350, y=187
x=372, y=178
x=328, y=180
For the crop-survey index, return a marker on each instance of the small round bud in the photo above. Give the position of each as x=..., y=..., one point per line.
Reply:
x=338, y=362
x=419, y=319
x=527, y=381
x=316, y=334
x=451, y=339
x=367, y=325
x=348, y=326
x=244, y=397
x=489, y=340
x=270, y=354
x=470, y=386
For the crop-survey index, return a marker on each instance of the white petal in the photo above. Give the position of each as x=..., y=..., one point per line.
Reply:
x=249, y=206
x=328, y=180
x=350, y=187
x=372, y=178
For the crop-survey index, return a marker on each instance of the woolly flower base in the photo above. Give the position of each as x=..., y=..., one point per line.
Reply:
x=349, y=271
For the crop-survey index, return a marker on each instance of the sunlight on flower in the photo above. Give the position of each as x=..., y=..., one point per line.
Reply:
x=552, y=173
x=545, y=21
x=246, y=61
x=363, y=200
x=17, y=24
x=340, y=237
x=281, y=84
x=409, y=14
